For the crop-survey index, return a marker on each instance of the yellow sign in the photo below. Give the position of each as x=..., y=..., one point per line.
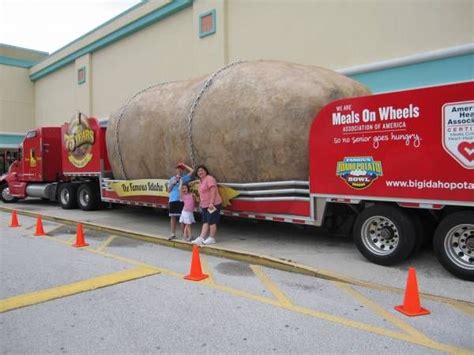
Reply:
x=227, y=194
x=142, y=187
x=159, y=187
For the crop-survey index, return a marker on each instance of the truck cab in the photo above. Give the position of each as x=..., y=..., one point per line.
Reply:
x=60, y=163
x=38, y=169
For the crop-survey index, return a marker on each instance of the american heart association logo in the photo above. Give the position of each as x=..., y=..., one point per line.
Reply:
x=467, y=150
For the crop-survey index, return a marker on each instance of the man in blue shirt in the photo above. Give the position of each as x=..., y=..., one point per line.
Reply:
x=175, y=204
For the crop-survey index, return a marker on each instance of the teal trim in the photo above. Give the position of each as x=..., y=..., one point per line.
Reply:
x=213, y=29
x=143, y=2
x=435, y=72
x=83, y=79
x=145, y=21
x=34, y=51
x=10, y=139
x=21, y=63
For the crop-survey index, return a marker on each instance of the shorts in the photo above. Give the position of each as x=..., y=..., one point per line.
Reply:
x=175, y=208
x=211, y=218
x=187, y=217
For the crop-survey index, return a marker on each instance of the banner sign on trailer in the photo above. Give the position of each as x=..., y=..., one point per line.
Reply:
x=159, y=187
x=413, y=145
x=142, y=187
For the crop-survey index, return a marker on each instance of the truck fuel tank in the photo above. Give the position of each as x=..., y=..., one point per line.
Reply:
x=42, y=190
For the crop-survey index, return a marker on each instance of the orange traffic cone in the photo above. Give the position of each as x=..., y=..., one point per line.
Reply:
x=14, y=223
x=411, y=304
x=80, y=242
x=39, y=227
x=195, y=273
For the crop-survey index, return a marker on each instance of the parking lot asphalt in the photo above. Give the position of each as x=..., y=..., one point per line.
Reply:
x=311, y=248
x=123, y=295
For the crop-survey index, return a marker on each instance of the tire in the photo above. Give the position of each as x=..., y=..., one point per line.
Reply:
x=67, y=196
x=88, y=197
x=384, y=234
x=453, y=244
x=419, y=232
x=5, y=194
x=425, y=225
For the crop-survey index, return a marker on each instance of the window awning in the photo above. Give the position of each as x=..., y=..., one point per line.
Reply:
x=9, y=140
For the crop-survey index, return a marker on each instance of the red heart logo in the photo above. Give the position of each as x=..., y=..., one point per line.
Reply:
x=467, y=150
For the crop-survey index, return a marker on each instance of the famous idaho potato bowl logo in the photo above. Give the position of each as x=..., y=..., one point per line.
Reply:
x=78, y=139
x=359, y=172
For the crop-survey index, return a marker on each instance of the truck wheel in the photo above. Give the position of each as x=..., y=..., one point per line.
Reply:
x=67, y=196
x=88, y=197
x=384, y=234
x=5, y=194
x=453, y=244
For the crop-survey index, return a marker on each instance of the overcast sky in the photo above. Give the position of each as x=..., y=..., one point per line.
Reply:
x=48, y=25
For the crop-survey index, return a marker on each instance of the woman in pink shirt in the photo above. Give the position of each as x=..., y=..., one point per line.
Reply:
x=211, y=204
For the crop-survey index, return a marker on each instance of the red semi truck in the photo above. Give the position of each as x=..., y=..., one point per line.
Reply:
x=395, y=169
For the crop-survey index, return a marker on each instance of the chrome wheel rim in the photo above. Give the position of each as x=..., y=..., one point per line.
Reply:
x=84, y=198
x=65, y=197
x=380, y=235
x=459, y=246
x=6, y=194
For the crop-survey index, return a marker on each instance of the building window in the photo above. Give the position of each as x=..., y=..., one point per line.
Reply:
x=207, y=23
x=81, y=75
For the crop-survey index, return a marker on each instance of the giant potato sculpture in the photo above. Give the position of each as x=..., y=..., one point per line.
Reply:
x=248, y=122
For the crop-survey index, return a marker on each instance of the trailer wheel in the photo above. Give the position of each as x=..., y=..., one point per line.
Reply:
x=453, y=244
x=67, y=196
x=5, y=194
x=88, y=197
x=384, y=234
x=420, y=235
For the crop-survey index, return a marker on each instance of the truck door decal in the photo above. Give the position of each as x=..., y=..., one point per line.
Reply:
x=79, y=139
x=32, y=158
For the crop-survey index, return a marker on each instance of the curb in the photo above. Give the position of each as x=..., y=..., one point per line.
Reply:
x=262, y=260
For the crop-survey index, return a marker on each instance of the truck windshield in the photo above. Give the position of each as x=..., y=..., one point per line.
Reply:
x=31, y=134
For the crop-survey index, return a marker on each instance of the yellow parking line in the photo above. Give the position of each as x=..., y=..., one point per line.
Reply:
x=464, y=309
x=120, y=258
x=71, y=240
x=382, y=312
x=55, y=229
x=32, y=298
x=66, y=242
x=343, y=321
x=279, y=295
x=106, y=243
x=416, y=336
x=419, y=340
x=206, y=269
